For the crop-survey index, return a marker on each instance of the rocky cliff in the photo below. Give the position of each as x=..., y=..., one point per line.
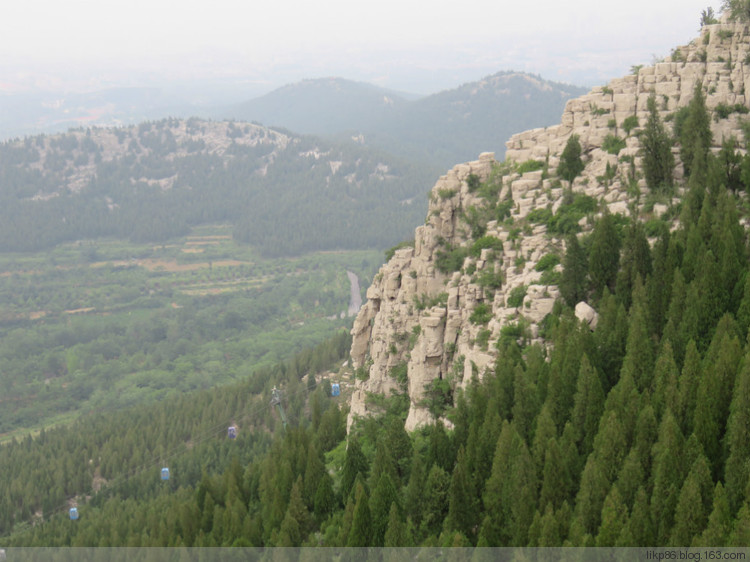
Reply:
x=443, y=324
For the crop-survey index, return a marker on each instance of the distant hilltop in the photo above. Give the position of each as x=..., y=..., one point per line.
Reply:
x=442, y=128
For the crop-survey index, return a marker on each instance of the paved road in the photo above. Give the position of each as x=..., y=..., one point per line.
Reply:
x=355, y=301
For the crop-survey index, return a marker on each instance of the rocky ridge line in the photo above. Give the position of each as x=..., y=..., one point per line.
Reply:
x=417, y=315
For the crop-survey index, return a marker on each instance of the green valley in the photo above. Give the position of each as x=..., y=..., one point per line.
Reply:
x=96, y=325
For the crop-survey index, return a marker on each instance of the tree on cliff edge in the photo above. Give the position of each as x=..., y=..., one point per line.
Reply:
x=658, y=161
x=737, y=9
x=571, y=164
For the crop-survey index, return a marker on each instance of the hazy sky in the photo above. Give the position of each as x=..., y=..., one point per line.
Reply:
x=415, y=46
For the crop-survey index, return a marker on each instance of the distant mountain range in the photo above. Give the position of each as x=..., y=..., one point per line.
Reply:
x=440, y=129
x=444, y=128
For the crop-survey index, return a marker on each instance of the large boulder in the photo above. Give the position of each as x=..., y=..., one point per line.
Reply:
x=586, y=314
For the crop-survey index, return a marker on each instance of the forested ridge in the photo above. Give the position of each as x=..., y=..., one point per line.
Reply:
x=634, y=434
x=119, y=452
x=155, y=181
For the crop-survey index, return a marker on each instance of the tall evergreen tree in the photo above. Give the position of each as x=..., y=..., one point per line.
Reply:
x=571, y=165
x=556, y=480
x=614, y=519
x=695, y=133
x=355, y=463
x=462, y=504
x=574, y=276
x=668, y=476
x=658, y=162
x=639, y=355
x=588, y=406
x=719, y=525
x=414, y=500
x=435, y=502
x=383, y=496
x=635, y=261
x=395, y=534
x=737, y=441
x=691, y=513
x=361, y=531
x=604, y=255
x=665, y=392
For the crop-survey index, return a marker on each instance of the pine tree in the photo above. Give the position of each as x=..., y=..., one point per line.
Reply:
x=361, y=531
x=325, y=498
x=462, y=504
x=591, y=496
x=571, y=165
x=614, y=519
x=588, y=406
x=314, y=471
x=574, y=276
x=665, y=393
x=520, y=492
x=740, y=535
x=639, y=355
x=525, y=406
x=668, y=476
x=610, y=445
x=691, y=513
x=743, y=313
x=383, y=463
x=640, y=525
x=673, y=328
x=658, y=162
x=297, y=511
x=695, y=133
x=715, y=390
x=395, y=534
x=383, y=496
x=545, y=430
x=549, y=529
x=737, y=442
x=630, y=477
x=604, y=255
x=413, y=503
x=435, y=500
x=355, y=463
x=719, y=522
x=635, y=261
x=688, y=383
x=659, y=283
x=398, y=443
x=611, y=334
x=731, y=163
x=646, y=435
x=556, y=480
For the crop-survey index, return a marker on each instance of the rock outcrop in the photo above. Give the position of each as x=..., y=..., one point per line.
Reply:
x=443, y=320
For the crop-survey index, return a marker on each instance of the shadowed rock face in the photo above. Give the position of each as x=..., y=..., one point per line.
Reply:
x=418, y=315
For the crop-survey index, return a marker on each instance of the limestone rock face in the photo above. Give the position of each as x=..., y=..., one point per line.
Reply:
x=446, y=324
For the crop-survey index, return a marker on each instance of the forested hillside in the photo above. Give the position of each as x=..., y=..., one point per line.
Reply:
x=634, y=434
x=284, y=194
x=119, y=453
